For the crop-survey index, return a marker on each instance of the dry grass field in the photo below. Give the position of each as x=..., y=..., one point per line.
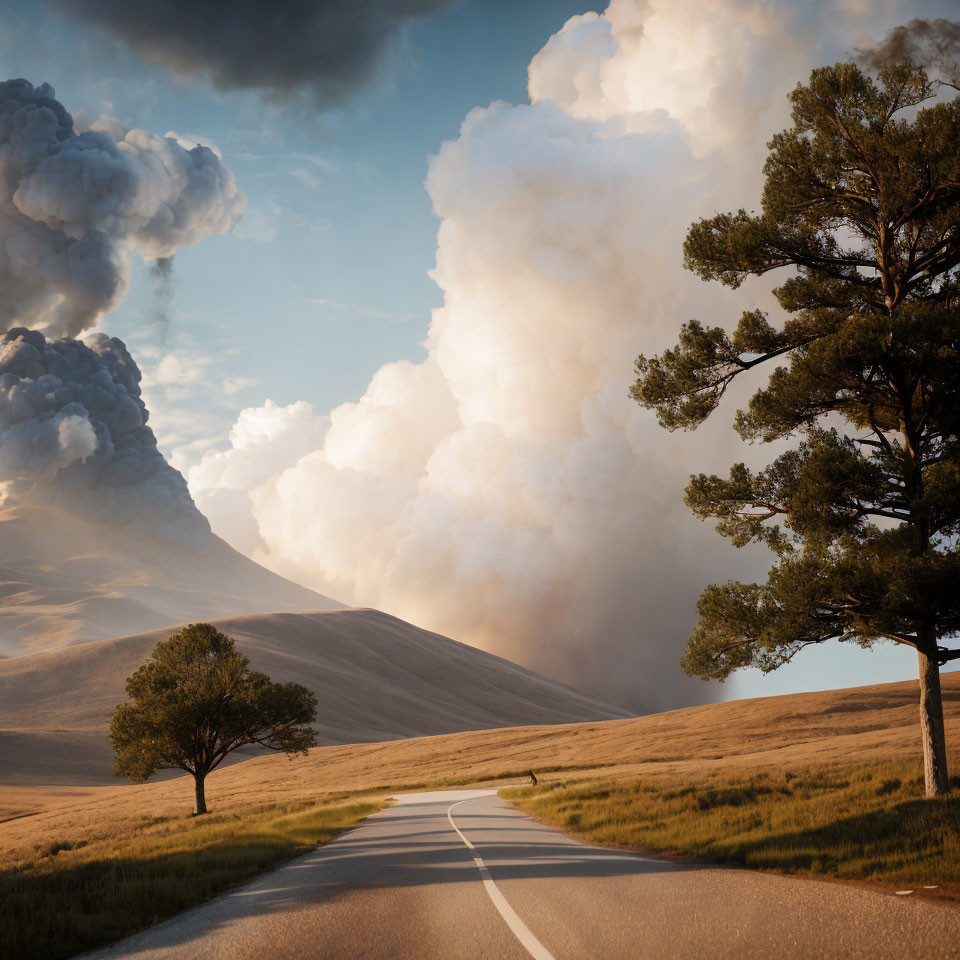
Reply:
x=824, y=784
x=774, y=736
x=74, y=896
x=856, y=821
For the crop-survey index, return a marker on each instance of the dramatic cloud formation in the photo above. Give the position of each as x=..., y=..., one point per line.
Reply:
x=324, y=48
x=74, y=205
x=506, y=491
x=73, y=433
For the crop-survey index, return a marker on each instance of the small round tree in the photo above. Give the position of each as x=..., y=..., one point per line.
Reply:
x=195, y=701
x=861, y=206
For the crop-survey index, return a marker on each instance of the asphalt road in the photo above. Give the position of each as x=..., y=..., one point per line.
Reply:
x=461, y=874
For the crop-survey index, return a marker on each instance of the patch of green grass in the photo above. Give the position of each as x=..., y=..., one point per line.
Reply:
x=71, y=898
x=865, y=822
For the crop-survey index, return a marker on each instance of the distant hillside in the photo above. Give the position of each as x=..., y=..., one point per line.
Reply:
x=376, y=678
x=64, y=580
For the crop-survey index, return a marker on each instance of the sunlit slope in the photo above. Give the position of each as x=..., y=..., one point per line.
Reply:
x=376, y=678
x=64, y=580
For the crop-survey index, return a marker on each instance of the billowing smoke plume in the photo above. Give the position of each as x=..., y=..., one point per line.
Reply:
x=324, y=48
x=161, y=271
x=73, y=433
x=74, y=205
x=506, y=491
x=933, y=43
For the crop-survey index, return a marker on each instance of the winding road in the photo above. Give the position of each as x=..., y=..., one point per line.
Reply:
x=462, y=874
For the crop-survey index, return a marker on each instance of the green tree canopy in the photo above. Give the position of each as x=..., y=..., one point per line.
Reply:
x=195, y=701
x=861, y=208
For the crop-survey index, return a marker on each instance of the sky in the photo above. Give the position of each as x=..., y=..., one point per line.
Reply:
x=437, y=424
x=338, y=236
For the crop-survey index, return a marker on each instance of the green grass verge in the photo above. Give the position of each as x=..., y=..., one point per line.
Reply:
x=868, y=822
x=74, y=898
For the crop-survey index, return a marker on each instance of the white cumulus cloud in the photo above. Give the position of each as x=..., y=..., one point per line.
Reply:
x=506, y=491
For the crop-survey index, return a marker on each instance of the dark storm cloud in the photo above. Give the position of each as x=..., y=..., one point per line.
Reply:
x=933, y=43
x=325, y=48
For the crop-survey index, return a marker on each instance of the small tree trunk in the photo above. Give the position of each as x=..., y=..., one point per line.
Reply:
x=931, y=728
x=198, y=779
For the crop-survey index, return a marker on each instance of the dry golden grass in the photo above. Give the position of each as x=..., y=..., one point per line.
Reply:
x=823, y=783
x=74, y=896
x=865, y=725
x=854, y=821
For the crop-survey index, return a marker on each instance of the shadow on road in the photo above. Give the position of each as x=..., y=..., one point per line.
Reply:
x=411, y=846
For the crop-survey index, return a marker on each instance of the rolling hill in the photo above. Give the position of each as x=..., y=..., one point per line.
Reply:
x=376, y=678
x=65, y=580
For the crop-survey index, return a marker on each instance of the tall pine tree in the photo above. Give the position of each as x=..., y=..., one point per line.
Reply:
x=861, y=207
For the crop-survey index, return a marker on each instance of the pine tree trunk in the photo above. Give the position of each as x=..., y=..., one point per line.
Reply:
x=198, y=780
x=931, y=728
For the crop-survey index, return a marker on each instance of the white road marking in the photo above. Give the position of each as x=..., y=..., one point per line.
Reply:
x=520, y=930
